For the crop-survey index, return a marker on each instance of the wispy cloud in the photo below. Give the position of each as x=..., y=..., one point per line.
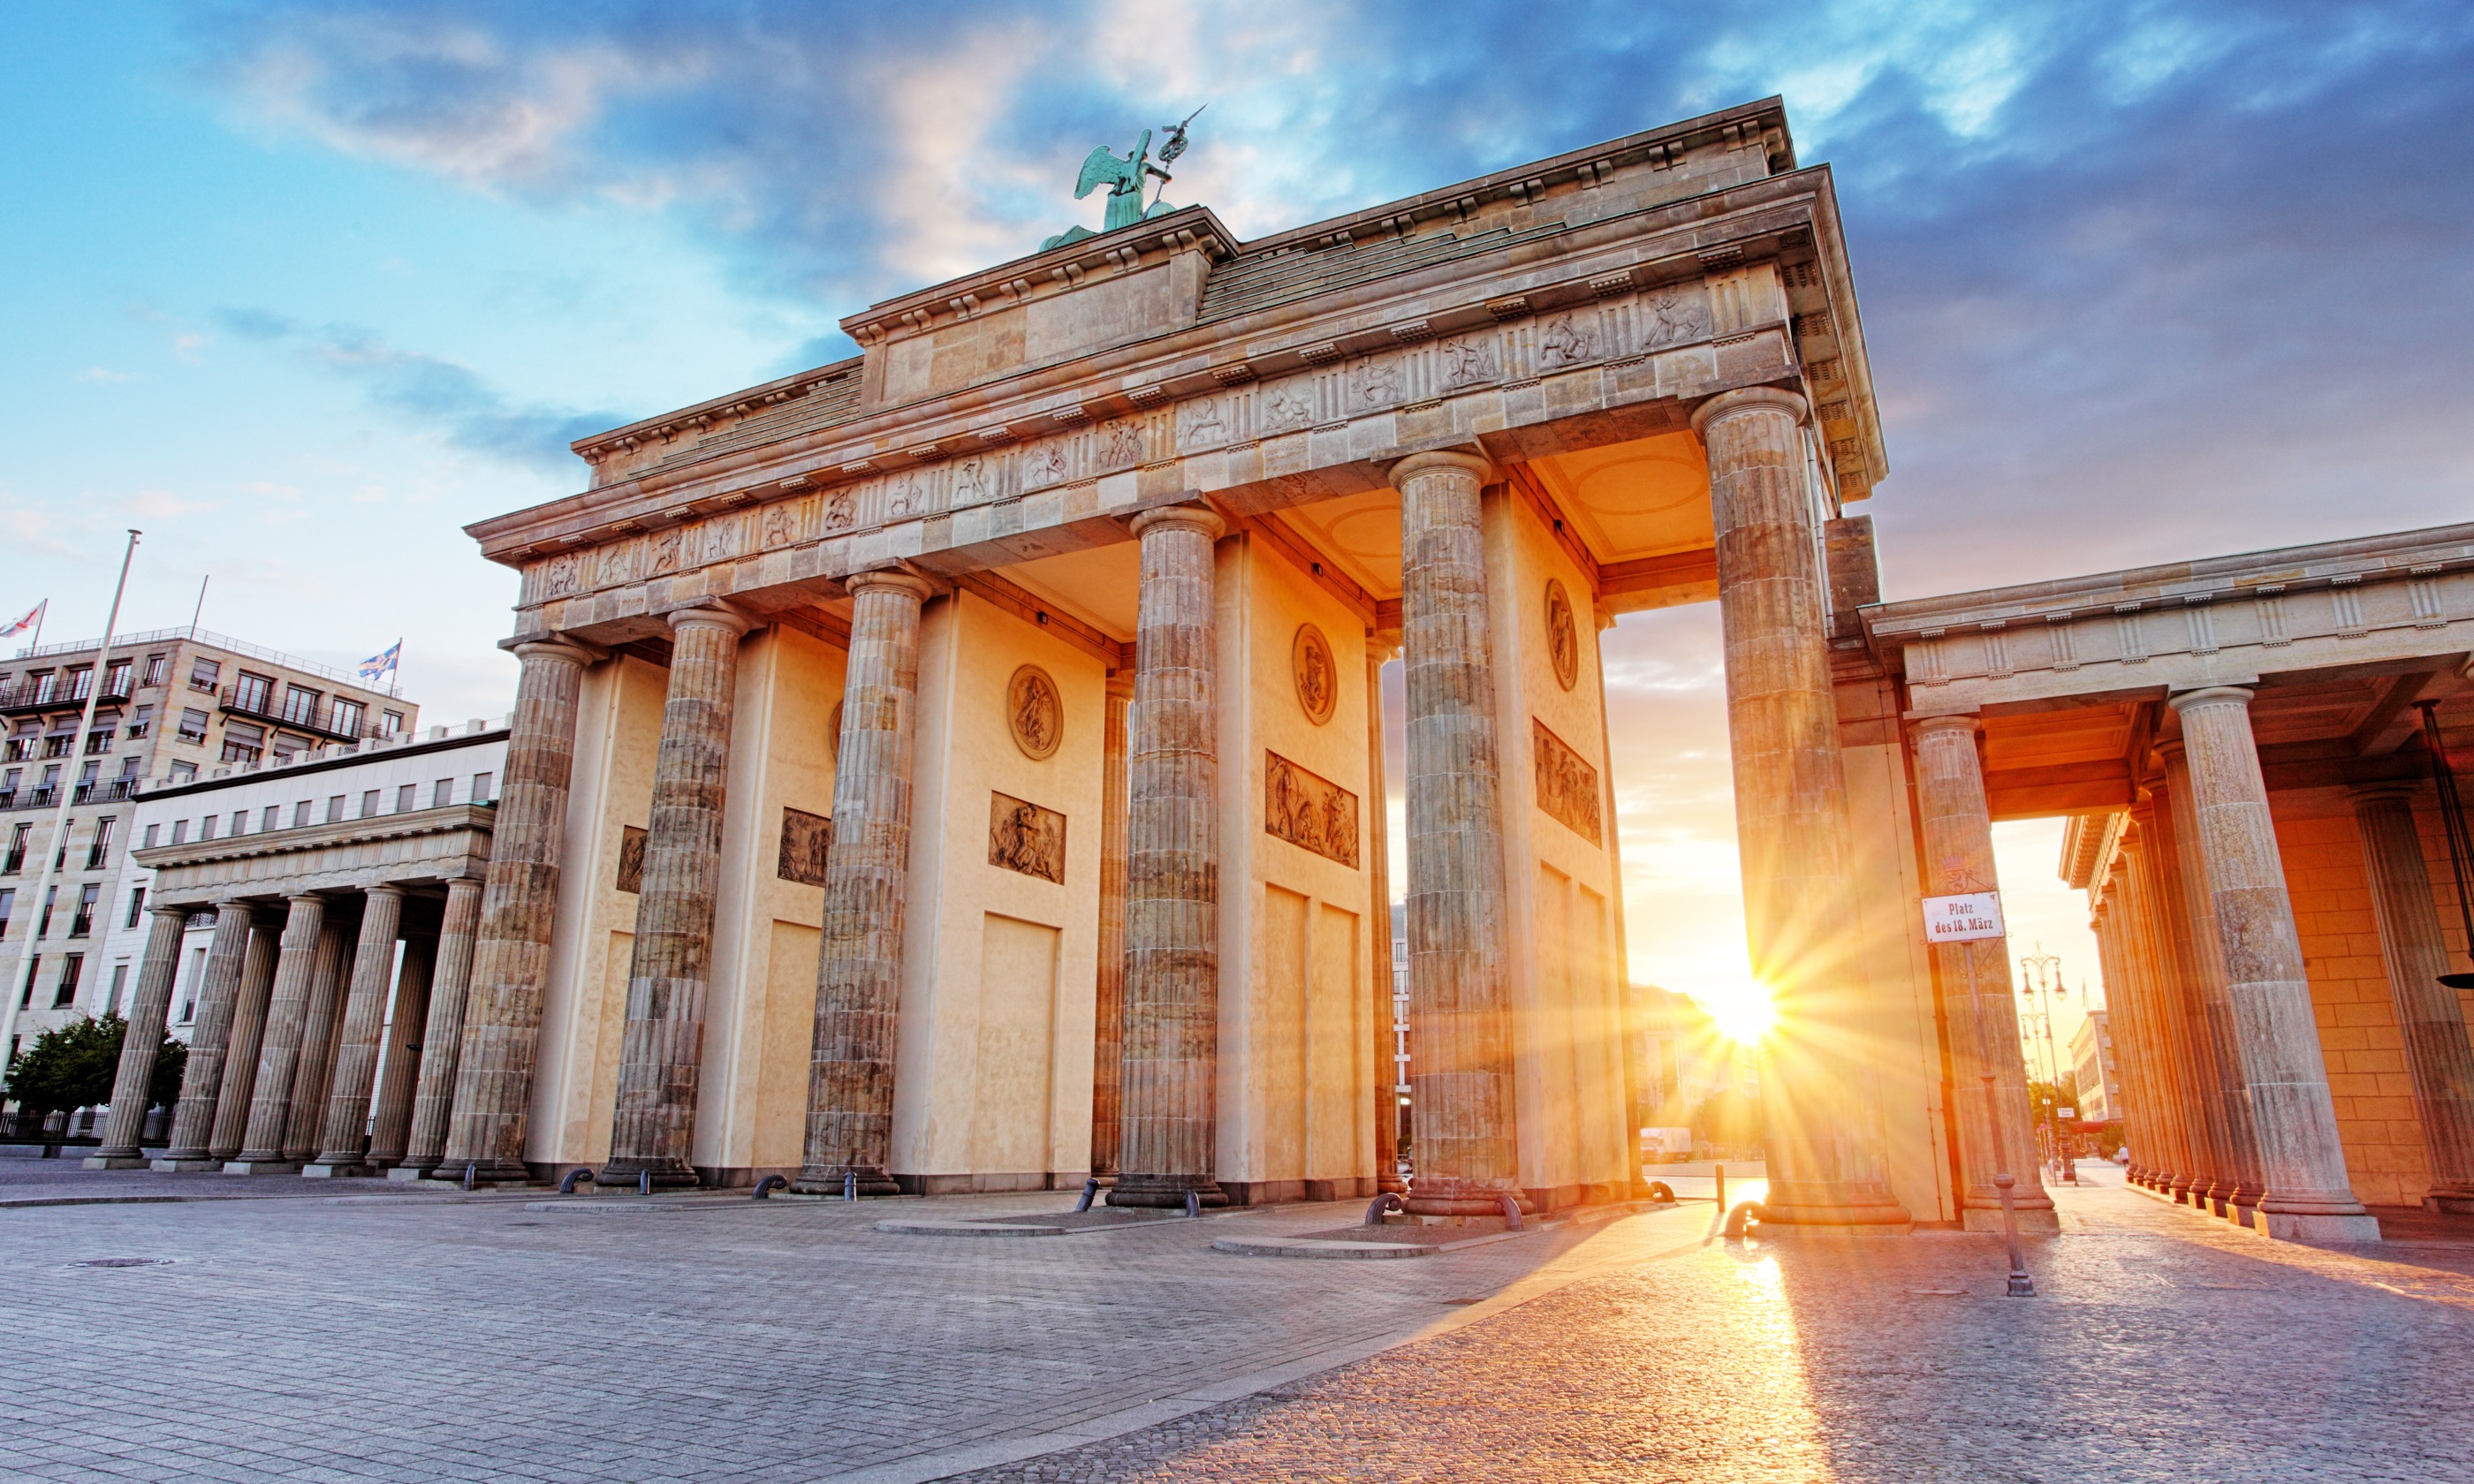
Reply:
x=102, y=374
x=452, y=400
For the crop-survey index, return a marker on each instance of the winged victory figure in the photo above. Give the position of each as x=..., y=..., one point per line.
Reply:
x=1126, y=179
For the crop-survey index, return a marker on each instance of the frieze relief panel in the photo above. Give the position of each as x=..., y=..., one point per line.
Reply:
x=1024, y=837
x=806, y=841
x=1568, y=786
x=1309, y=810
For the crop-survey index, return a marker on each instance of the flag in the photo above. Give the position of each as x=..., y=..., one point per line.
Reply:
x=33, y=617
x=379, y=666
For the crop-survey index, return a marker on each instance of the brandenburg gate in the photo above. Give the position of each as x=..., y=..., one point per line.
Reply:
x=960, y=767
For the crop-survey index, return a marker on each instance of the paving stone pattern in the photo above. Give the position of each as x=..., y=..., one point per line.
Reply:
x=401, y=1336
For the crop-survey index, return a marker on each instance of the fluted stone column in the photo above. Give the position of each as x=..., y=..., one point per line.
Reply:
x=2239, y=1184
x=202, y=1081
x=1380, y=647
x=1108, y=1039
x=1997, y=1126
x=493, y=1071
x=2429, y=1017
x=345, y=1135
x=140, y=1042
x=1460, y=1006
x=1166, y=1141
x=2308, y=1195
x=391, y=1112
x=319, y=1029
x=2212, y=1180
x=248, y=1033
x=2136, y=1124
x=278, y=1058
x=443, y=1037
x=661, y=1056
x=1821, y=1094
x=867, y=887
x=2160, y=998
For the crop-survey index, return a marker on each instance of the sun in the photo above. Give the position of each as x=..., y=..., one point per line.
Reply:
x=1741, y=1009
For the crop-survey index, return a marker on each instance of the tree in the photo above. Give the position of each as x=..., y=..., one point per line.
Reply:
x=171, y=1060
x=69, y=1065
x=1728, y=1119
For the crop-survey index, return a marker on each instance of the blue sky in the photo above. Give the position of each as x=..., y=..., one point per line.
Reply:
x=301, y=288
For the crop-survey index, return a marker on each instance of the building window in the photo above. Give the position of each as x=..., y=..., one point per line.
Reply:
x=136, y=905
x=115, y=681
x=442, y=793
x=240, y=822
x=193, y=725
x=143, y=722
x=243, y=742
x=43, y=923
x=287, y=748
x=481, y=783
x=206, y=830
x=300, y=706
x=348, y=718
x=390, y=723
x=205, y=673
x=81, y=682
x=7, y=908
x=335, y=809
x=254, y=693
x=197, y=976
x=271, y=818
x=17, y=848
x=301, y=814
x=26, y=997
x=184, y=772
x=101, y=851
x=370, y=802
x=407, y=798
x=154, y=670
x=72, y=970
x=179, y=831
x=119, y=985
x=81, y=924
x=151, y=832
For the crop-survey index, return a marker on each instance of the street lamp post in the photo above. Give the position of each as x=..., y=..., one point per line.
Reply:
x=2041, y=985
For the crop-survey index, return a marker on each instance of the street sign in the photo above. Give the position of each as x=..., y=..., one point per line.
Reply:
x=1964, y=919
x=2067, y=1113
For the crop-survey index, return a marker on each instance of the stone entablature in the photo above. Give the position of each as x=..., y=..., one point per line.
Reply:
x=2225, y=621
x=1601, y=331
x=421, y=847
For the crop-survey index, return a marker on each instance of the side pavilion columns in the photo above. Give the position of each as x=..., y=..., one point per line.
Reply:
x=1828, y=1155
x=868, y=875
x=2429, y=1017
x=1996, y=1128
x=1166, y=1145
x=139, y=1044
x=1460, y=1009
x=653, y=1127
x=494, y=1081
x=2309, y=1196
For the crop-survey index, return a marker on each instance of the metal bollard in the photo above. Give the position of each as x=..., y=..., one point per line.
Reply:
x=766, y=1187
x=1090, y=1188
x=850, y=1184
x=1511, y=1205
x=1194, y=1205
x=566, y=1185
x=468, y=1177
x=645, y=1181
x=1388, y=1201
x=1720, y=1171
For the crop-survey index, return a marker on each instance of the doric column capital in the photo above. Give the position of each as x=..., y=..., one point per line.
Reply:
x=1726, y=404
x=711, y=614
x=574, y=652
x=181, y=913
x=2211, y=695
x=2379, y=790
x=1929, y=726
x=1442, y=458
x=1181, y=517
x=1121, y=684
x=386, y=889
x=889, y=579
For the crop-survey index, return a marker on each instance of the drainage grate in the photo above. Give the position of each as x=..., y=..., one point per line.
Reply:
x=122, y=1262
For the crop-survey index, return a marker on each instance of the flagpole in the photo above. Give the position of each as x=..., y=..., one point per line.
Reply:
x=55, y=849
x=199, y=611
x=42, y=610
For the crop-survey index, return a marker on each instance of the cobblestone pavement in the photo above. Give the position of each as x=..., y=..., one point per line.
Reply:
x=362, y=1333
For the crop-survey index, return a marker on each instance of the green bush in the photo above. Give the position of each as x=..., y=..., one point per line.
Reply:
x=74, y=1066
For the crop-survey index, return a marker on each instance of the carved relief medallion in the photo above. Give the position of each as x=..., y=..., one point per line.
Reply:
x=1308, y=810
x=631, y=860
x=1318, y=677
x=1562, y=636
x=1036, y=712
x=1024, y=837
x=1568, y=786
x=807, y=839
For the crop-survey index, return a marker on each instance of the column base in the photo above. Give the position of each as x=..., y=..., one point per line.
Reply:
x=334, y=1169
x=1164, y=1192
x=1821, y=1208
x=485, y=1172
x=2034, y=1221
x=117, y=1161
x=406, y=1174
x=629, y=1175
x=1453, y=1197
x=276, y=1166
x=2452, y=1202
x=2298, y=1227
x=185, y=1164
x=828, y=1179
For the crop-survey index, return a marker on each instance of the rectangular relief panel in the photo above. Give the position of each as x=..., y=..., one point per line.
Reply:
x=807, y=839
x=1024, y=837
x=1308, y=810
x=631, y=860
x=1568, y=786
